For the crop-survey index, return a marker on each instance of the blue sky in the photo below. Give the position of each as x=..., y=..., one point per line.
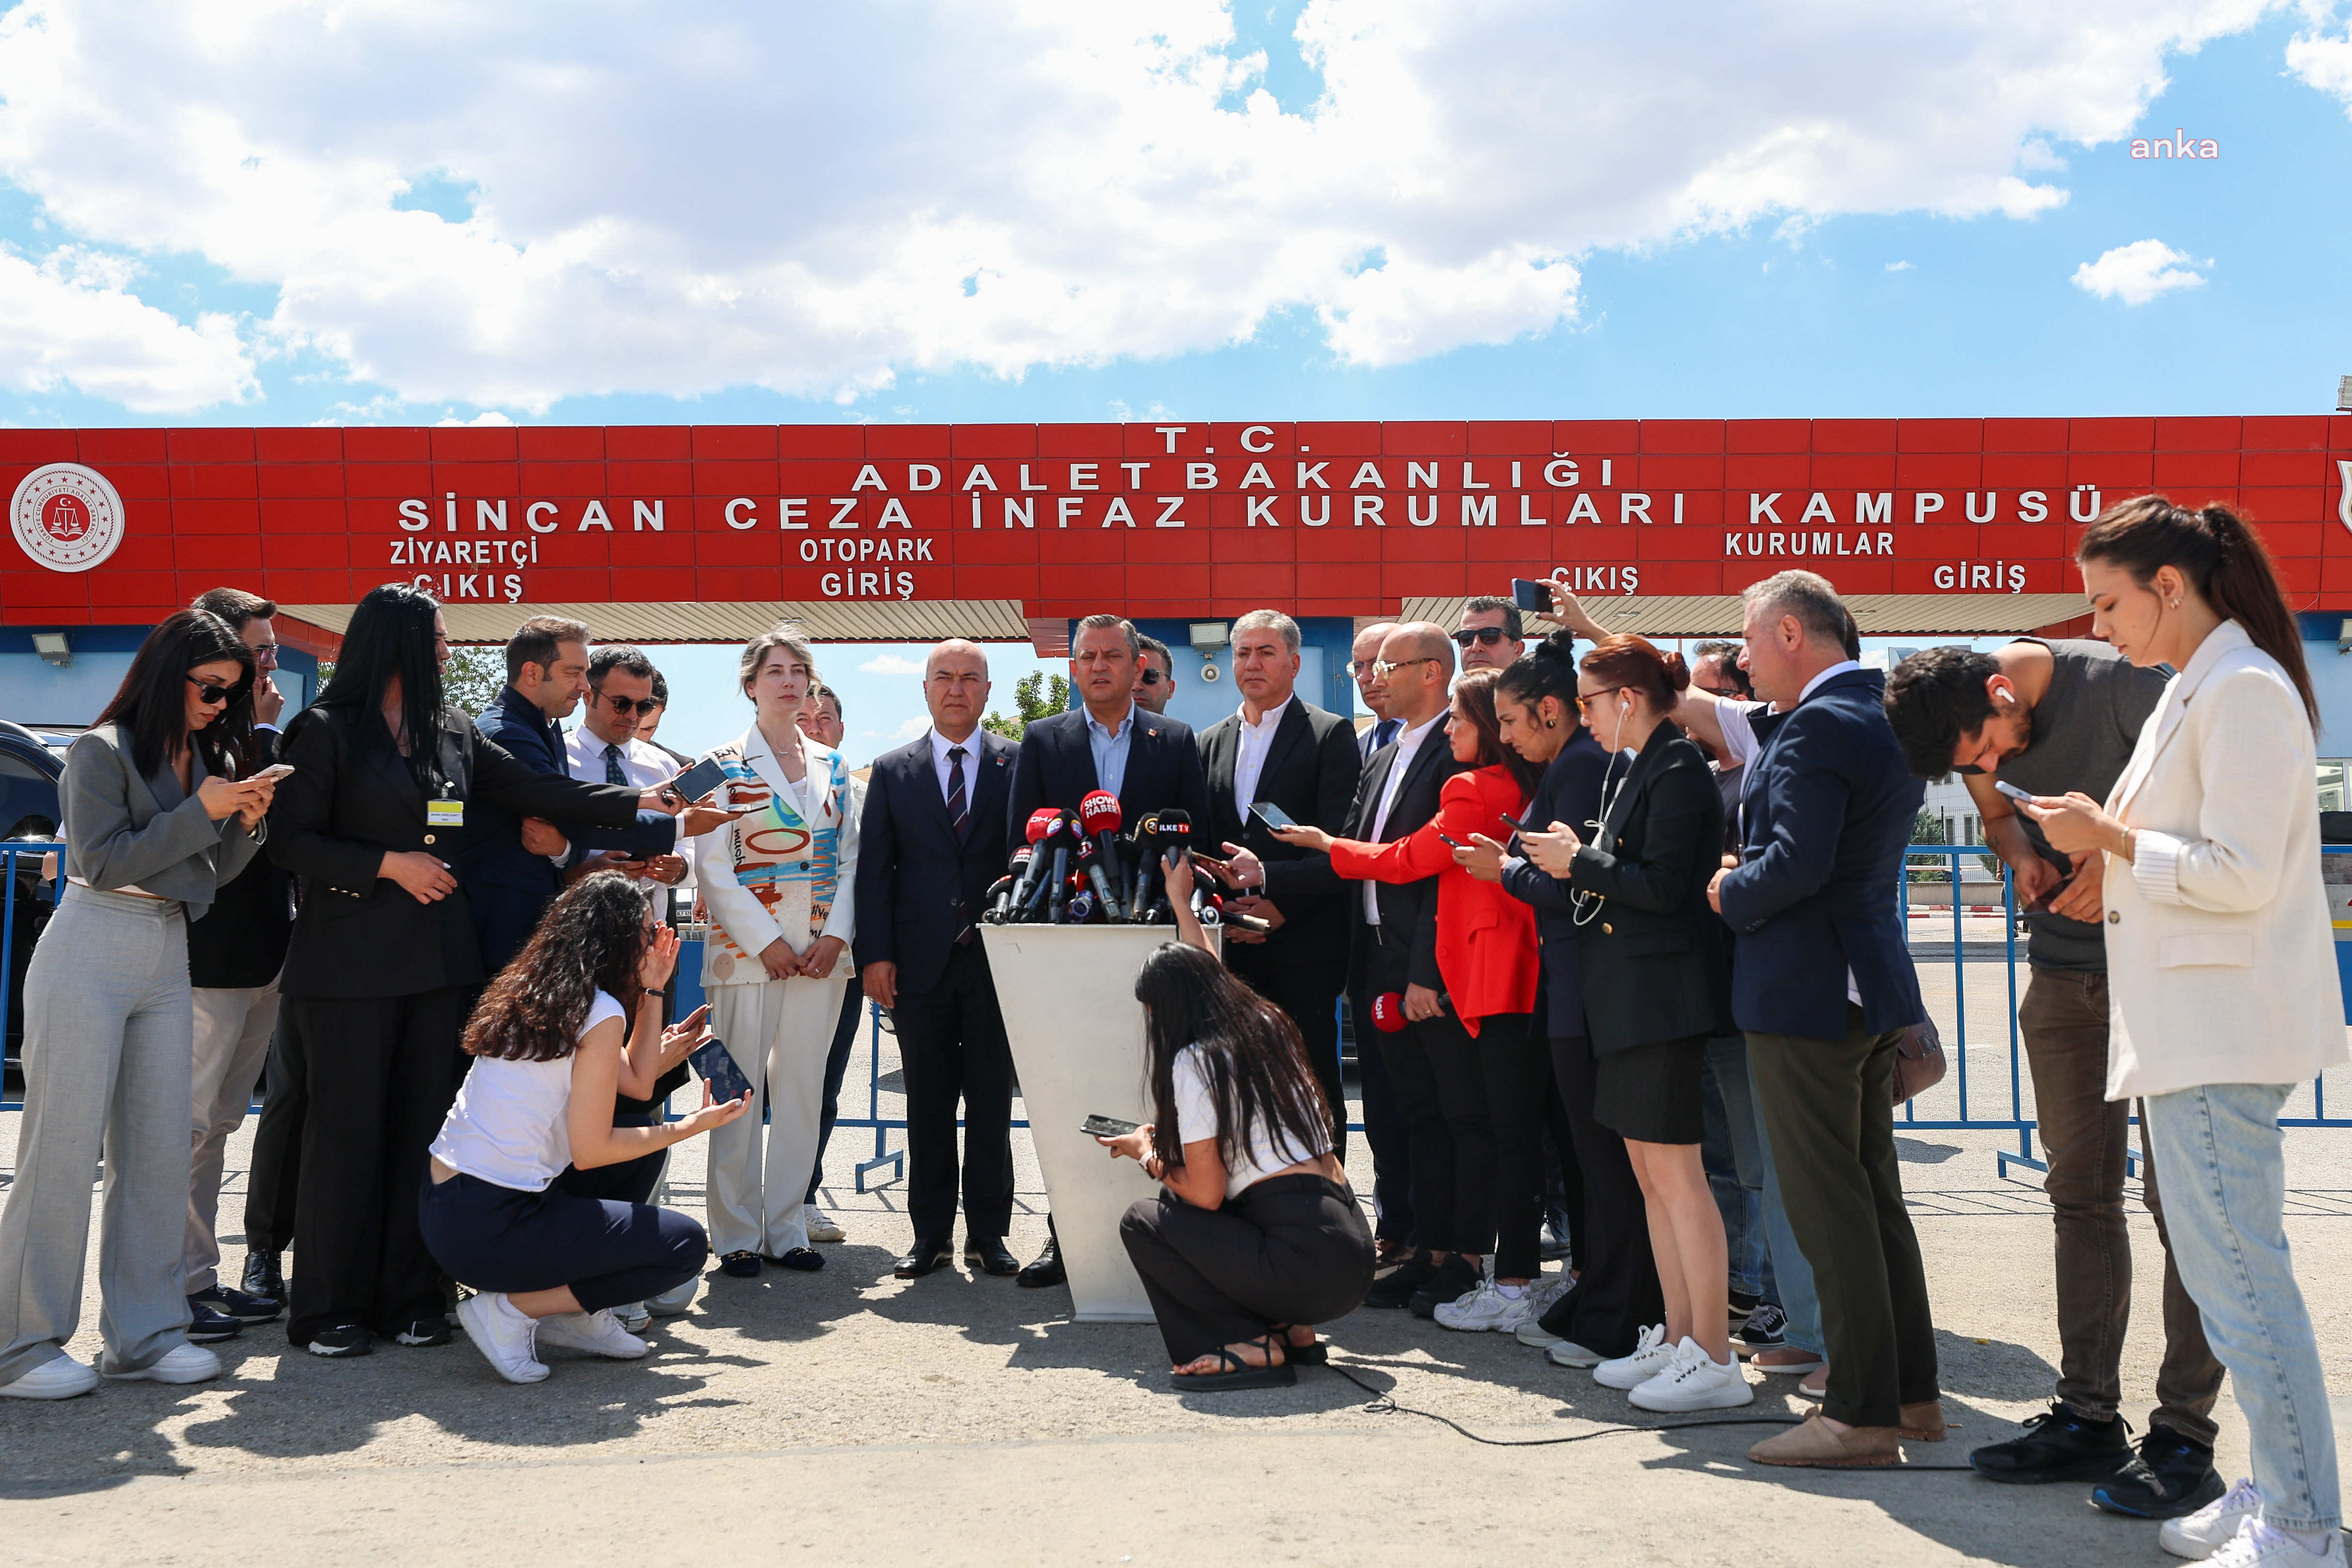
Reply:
x=424, y=250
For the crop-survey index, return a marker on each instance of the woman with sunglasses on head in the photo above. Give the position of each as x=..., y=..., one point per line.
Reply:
x=385, y=963
x=1616, y=1295
x=1650, y=957
x=2226, y=995
x=1491, y=1066
x=156, y=822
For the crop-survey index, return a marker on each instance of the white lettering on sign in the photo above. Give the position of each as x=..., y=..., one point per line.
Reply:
x=1264, y=430
x=1981, y=577
x=1598, y=579
x=1798, y=541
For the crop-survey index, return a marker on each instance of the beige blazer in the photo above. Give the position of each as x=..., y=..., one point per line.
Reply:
x=2220, y=956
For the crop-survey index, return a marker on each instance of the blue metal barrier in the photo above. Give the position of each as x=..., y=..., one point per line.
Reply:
x=2016, y=1121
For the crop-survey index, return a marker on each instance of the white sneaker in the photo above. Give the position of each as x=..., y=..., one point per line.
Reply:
x=59, y=1377
x=1549, y=1289
x=633, y=1317
x=1568, y=1353
x=504, y=1335
x=2260, y=1545
x=670, y=1303
x=596, y=1333
x=1651, y=1354
x=2210, y=1528
x=1695, y=1381
x=1486, y=1310
x=180, y=1364
x=820, y=1225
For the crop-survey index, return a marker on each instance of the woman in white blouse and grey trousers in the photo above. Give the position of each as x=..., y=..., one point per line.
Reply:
x=2224, y=981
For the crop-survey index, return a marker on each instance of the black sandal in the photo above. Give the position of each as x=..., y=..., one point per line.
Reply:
x=1239, y=1374
x=1316, y=1354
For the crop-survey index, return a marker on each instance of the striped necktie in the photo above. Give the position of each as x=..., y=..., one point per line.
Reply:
x=612, y=774
x=958, y=809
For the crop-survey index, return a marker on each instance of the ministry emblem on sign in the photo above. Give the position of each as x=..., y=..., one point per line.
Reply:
x=67, y=517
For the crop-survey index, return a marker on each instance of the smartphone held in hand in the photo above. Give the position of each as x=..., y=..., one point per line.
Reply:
x=717, y=1069
x=1532, y=595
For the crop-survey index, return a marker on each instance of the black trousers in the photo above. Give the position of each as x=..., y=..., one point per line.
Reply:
x=1828, y=1105
x=629, y=1181
x=1515, y=1075
x=496, y=1237
x=1309, y=994
x=1617, y=1294
x=951, y=1044
x=272, y=1190
x=1384, y=1127
x=1289, y=1249
x=382, y=1073
x=836, y=1068
x=1442, y=1091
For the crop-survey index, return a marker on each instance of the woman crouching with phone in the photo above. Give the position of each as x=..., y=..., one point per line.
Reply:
x=1254, y=1236
x=551, y=1047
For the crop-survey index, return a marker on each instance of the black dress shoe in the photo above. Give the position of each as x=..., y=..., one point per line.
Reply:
x=209, y=1326
x=244, y=1306
x=1047, y=1270
x=741, y=1265
x=1454, y=1278
x=262, y=1278
x=1396, y=1287
x=993, y=1255
x=800, y=1260
x=928, y=1253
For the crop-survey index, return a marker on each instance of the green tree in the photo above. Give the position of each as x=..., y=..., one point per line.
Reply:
x=470, y=681
x=1928, y=829
x=1036, y=696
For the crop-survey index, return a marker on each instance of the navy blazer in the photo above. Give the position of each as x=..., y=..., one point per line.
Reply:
x=509, y=887
x=1569, y=791
x=1057, y=767
x=1826, y=814
x=1311, y=770
x=918, y=888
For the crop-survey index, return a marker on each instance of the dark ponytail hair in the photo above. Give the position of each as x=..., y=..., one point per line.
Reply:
x=1548, y=669
x=151, y=706
x=1636, y=663
x=1251, y=1055
x=2223, y=559
x=391, y=633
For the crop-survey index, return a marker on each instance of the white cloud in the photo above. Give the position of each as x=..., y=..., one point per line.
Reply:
x=71, y=320
x=818, y=200
x=2138, y=272
x=1899, y=266
x=910, y=729
x=892, y=665
x=2323, y=62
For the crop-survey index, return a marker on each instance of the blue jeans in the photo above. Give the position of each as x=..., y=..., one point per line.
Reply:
x=1789, y=1277
x=1735, y=1170
x=2224, y=1166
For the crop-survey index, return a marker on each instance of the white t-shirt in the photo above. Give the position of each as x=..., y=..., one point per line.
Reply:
x=512, y=1123
x=1259, y=1156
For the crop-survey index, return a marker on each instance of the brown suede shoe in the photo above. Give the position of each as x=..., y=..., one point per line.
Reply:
x=1923, y=1422
x=1813, y=1443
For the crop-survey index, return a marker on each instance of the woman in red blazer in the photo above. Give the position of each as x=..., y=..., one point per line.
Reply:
x=1491, y=1066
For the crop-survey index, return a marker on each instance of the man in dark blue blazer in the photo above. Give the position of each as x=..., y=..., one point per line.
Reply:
x=933, y=839
x=1107, y=743
x=1823, y=984
x=507, y=884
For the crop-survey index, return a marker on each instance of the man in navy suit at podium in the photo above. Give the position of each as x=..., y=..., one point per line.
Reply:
x=1108, y=743
x=932, y=838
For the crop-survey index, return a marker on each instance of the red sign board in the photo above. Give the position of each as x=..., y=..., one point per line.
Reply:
x=1169, y=518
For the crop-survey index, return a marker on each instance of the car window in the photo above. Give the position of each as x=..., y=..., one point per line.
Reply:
x=28, y=797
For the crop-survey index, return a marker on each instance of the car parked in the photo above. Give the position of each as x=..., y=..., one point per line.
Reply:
x=31, y=763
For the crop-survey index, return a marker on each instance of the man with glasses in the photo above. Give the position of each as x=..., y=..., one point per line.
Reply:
x=1489, y=636
x=604, y=749
x=1155, y=675
x=234, y=955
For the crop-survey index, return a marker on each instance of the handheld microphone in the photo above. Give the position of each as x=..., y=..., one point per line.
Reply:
x=1065, y=829
x=1081, y=909
x=1388, y=1012
x=1100, y=814
x=1006, y=892
x=1143, y=839
x=1041, y=822
x=1090, y=864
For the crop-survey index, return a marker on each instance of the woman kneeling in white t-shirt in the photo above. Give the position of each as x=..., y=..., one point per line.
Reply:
x=548, y=1056
x=1255, y=1237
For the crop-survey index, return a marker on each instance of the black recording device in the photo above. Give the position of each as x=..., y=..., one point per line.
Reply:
x=1531, y=595
x=699, y=779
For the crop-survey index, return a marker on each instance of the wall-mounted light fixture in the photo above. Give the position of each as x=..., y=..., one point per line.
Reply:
x=53, y=648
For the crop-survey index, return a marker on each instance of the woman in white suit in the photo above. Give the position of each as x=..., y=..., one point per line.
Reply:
x=2224, y=970
x=777, y=883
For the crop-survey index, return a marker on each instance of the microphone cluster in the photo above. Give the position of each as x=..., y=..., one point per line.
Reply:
x=1076, y=868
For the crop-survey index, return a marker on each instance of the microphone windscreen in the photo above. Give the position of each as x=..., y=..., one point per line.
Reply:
x=1388, y=1012
x=1099, y=811
x=1020, y=857
x=1175, y=827
x=1041, y=822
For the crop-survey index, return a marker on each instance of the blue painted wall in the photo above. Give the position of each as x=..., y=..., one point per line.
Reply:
x=34, y=692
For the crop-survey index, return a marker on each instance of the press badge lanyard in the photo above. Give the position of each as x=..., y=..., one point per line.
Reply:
x=444, y=808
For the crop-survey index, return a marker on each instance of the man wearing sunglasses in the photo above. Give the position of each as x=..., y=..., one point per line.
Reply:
x=1155, y=675
x=1489, y=636
x=604, y=750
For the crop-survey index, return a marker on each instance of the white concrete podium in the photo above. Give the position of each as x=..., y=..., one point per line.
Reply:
x=1076, y=1032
